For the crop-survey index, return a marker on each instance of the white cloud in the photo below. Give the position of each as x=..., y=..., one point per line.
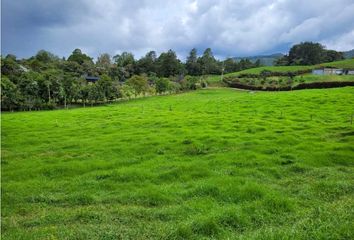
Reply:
x=229, y=27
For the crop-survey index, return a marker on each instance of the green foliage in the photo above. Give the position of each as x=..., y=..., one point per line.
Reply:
x=168, y=64
x=162, y=85
x=10, y=95
x=193, y=67
x=139, y=83
x=79, y=57
x=309, y=53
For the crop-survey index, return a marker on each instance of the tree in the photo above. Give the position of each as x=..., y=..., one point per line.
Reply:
x=147, y=64
x=46, y=57
x=139, y=83
x=169, y=65
x=283, y=61
x=79, y=57
x=331, y=56
x=104, y=62
x=10, y=67
x=10, y=96
x=209, y=64
x=125, y=66
x=69, y=89
x=192, y=65
x=107, y=89
x=257, y=63
x=29, y=89
x=190, y=83
x=245, y=64
x=162, y=85
x=230, y=65
x=309, y=53
x=306, y=53
x=124, y=59
x=127, y=91
x=93, y=94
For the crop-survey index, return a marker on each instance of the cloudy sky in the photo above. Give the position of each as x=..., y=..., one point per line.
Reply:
x=229, y=27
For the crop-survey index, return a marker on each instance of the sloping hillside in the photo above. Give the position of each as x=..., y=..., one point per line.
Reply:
x=348, y=63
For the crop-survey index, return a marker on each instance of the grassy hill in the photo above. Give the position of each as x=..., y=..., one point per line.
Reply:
x=209, y=164
x=346, y=64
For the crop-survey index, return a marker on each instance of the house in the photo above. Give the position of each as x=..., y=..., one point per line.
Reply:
x=332, y=71
x=91, y=79
x=349, y=72
x=317, y=71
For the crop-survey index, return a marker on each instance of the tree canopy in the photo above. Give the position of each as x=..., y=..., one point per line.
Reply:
x=309, y=53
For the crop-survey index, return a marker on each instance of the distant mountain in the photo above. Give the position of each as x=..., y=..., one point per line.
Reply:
x=266, y=60
x=349, y=54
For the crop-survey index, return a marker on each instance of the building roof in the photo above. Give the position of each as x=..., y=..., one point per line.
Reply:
x=91, y=78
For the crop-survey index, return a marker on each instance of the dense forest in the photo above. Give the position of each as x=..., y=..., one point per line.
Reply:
x=46, y=81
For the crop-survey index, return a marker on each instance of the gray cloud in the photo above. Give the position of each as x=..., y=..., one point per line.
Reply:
x=229, y=27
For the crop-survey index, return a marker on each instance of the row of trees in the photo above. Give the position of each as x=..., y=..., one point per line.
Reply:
x=309, y=53
x=45, y=80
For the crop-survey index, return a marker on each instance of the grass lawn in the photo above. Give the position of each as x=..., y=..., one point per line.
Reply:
x=209, y=164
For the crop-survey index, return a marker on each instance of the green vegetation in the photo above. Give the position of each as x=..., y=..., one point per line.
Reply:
x=309, y=53
x=323, y=78
x=346, y=64
x=294, y=75
x=45, y=81
x=208, y=164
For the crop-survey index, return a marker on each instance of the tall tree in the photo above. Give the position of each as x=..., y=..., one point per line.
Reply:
x=192, y=65
x=79, y=57
x=124, y=66
x=10, y=96
x=147, y=64
x=104, y=63
x=209, y=64
x=169, y=65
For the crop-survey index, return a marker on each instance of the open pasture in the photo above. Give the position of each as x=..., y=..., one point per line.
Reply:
x=209, y=164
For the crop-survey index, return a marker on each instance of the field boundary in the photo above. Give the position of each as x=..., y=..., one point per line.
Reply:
x=312, y=85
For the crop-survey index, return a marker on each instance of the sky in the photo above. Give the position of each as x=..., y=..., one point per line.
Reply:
x=230, y=27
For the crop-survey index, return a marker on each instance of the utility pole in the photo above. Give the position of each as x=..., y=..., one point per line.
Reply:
x=222, y=70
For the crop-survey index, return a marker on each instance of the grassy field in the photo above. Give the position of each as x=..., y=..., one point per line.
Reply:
x=347, y=64
x=209, y=164
x=215, y=80
x=323, y=78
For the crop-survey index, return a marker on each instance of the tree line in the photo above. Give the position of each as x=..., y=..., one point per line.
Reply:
x=309, y=53
x=45, y=81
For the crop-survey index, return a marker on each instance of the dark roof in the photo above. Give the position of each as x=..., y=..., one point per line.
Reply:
x=91, y=78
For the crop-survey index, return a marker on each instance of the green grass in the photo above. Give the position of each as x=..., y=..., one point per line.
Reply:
x=209, y=164
x=347, y=64
x=324, y=78
x=271, y=69
x=284, y=81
